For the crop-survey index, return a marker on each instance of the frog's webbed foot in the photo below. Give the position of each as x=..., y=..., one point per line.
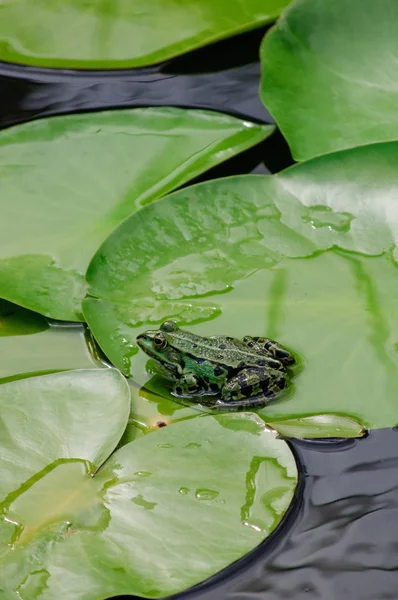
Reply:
x=188, y=385
x=253, y=383
x=264, y=345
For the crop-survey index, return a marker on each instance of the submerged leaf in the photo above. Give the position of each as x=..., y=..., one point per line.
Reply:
x=16, y=321
x=32, y=345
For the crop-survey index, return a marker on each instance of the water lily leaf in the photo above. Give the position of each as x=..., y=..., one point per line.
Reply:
x=322, y=80
x=67, y=182
x=162, y=514
x=319, y=426
x=121, y=33
x=41, y=421
x=31, y=344
x=307, y=257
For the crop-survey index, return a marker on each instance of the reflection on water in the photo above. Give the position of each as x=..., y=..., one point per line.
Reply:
x=194, y=81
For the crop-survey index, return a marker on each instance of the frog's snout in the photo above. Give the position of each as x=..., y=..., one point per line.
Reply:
x=142, y=340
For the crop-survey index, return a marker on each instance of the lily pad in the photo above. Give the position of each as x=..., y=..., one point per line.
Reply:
x=31, y=344
x=319, y=426
x=322, y=80
x=67, y=182
x=162, y=514
x=306, y=257
x=121, y=33
x=41, y=421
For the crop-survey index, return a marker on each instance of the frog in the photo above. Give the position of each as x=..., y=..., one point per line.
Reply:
x=242, y=372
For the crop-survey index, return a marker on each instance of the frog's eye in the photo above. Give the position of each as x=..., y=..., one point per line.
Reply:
x=168, y=326
x=159, y=341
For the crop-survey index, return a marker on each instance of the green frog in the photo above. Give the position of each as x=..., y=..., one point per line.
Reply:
x=244, y=372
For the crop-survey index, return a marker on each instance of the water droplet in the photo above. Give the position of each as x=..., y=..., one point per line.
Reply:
x=184, y=491
x=205, y=494
x=192, y=445
x=143, y=473
x=323, y=216
x=165, y=446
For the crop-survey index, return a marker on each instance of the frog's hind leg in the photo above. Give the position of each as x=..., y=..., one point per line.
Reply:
x=271, y=348
x=188, y=385
x=253, y=383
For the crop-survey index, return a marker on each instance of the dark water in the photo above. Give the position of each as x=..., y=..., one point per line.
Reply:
x=340, y=540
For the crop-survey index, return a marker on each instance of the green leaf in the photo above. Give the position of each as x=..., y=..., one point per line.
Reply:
x=84, y=174
x=121, y=33
x=41, y=421
x=30, y=344
x=307, y=257
x=319, y=426
x=322, y=80
x=164, y=513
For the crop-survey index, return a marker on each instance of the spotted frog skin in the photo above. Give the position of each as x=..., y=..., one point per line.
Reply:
x=240, y=371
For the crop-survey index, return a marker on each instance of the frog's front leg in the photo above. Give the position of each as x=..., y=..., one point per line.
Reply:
x=188, y=385
x=252, y=382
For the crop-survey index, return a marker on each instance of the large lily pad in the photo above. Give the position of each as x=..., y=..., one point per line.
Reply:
x=162, y=514
x=324, y=83
x=306, y=257
x=88, y=34
x=67, y=182
x=31, y=344
x=41, y=421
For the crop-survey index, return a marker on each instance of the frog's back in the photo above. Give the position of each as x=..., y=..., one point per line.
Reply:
x=222, y=349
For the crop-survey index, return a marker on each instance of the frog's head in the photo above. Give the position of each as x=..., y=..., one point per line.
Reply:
x=158, y=344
